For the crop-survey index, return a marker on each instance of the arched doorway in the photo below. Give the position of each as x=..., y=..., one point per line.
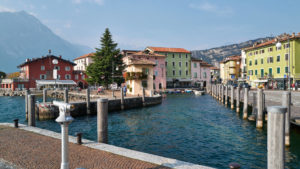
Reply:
x=80, y=84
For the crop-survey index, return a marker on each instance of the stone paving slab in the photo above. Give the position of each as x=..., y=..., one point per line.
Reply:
x=27, y=149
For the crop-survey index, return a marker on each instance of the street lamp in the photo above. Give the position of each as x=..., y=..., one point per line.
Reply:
x=278, y=45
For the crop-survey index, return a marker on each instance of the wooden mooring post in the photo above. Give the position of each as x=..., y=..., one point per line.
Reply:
x=259, y=118
x=122, y=99
x=102, y=120
x=44, y=95
x=27, y=92
x=226, y=95
x=286, y=102
x=232, y=97
x=88, y=105
x=238, y=99
x=31, y=110
x=245, y=107
x=276, y=148
x=143, y=97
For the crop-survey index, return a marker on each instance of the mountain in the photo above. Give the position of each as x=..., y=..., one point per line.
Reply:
x=24, y=36
x=219, y=53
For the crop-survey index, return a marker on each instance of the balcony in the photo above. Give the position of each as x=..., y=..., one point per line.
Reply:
x=232, y=71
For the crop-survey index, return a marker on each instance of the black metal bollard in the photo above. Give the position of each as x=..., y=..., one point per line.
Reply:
x=79, y=140
x=16, y=121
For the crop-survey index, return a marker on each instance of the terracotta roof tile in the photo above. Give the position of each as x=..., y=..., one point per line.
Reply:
x=142, y=61
x=163, y=49
x=85, y=56
x=143, y=53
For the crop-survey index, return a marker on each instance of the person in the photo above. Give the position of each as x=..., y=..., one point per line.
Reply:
x=125, y=90
x=99, y=90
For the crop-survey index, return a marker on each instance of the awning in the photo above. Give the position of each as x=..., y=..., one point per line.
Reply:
x=260, y=81
x=52, y=82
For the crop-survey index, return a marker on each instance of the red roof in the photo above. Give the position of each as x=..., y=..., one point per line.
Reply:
x=173, y=50
x=142, y=53
x=85, y=56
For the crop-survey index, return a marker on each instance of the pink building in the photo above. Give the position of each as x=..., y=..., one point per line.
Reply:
x=159, y=70
x=200, y=72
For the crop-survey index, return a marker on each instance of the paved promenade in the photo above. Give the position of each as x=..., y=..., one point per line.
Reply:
x=35, y=148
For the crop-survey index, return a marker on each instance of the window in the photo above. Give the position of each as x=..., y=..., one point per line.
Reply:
x=270, y=60
x=173, y=55
x=278, y=70
x=256, y=52
x=82, y=77
x=166, y=54
x=195, y=65
x=286, y=46
x=255, y=61
x=43, y=77
x=286, y=69
x=166, y=64
x=255, y=72
x=43, y=67
x=286, y=56
x=270, y=49
x=187, y=73
x=179, y=55
x=186, y=55
x=179, y=72
x=262, y=51
x=195, y=74
x=278, y=48
x=76, y=77
x=204, y=75
x=250, y=54
x=67, y=68
x=186, y=64
x=278, y=58
x=67, y=77
x=270, y=71
x=262, y=61
x=145, y=71
x=156, y=62
x=250, y=63
x=144, y=83
x=179, y=64
x=156, y=73
x=173, y=72
x=57, y=67
x=250, y=72
x=262, y=73
x=173, y=63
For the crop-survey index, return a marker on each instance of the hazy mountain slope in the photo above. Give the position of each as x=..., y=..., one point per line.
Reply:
x=219, y=53
x=24, y=36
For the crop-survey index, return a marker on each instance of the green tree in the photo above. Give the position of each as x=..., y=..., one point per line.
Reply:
x=2, y=75
x=107, y=62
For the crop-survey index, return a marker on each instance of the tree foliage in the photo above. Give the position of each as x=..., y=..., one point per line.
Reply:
x=106, y=60
x=2, y=75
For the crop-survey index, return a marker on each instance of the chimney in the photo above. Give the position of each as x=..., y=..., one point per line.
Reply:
x=60, y=56
x=27, y=60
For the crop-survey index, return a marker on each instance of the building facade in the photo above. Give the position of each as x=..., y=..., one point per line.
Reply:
x=269, y=65
x=200, y=72
x=178, y=65
x=83, y=62
x=159, y=70
x=230, y=69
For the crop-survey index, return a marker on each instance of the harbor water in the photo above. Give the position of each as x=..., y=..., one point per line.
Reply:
x=190, y=128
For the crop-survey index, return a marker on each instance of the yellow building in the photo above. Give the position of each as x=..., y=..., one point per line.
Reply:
x=230, y=69
x=139, y=75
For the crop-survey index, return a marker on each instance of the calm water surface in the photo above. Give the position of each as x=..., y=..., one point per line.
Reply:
x=184, y=127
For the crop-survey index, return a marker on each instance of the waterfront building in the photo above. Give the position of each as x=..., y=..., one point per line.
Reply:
x=200, y=71
x=138, y=75
x=269, y=65
x=38, y=73
x=230, y=69
x=159, y=70
x=178, y=65
x=83, y=61
x=215, y=75
x=243, y=65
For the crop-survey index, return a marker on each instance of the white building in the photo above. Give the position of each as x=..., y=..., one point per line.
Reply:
x=83, y=61
x=243, y=65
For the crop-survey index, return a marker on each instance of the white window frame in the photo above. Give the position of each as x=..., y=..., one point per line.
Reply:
x=42, y=67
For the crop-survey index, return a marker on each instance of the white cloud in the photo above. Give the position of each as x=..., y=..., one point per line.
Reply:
x=5, y=9
x=99, y=2
x=212, y=8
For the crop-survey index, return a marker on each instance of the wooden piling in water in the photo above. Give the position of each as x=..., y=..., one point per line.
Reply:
x=276, y=148
x=31, y=110
x=259, y=118
x=44, y=95
x=102, y=120
x=245, y=108
x=226, y=95
x=88, y=105
x=27, y=92
x=232, y=97
x=122, y=99
x=238, y=99
x=286, y=102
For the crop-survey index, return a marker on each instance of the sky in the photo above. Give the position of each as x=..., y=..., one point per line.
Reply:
x=190, y=24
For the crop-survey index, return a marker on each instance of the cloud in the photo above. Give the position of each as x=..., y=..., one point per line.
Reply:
x=5, y=9
x=212, y=8
x=99, y=2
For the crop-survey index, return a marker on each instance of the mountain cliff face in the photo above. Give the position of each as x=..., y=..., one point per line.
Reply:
x=24, y=36
x=219, y=53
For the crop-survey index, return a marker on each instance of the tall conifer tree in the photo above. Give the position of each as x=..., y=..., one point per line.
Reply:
x=107, y=63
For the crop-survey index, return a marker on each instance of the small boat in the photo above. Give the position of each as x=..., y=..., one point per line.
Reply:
x=198, y=93
x=295, y=121
x=188, y=91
